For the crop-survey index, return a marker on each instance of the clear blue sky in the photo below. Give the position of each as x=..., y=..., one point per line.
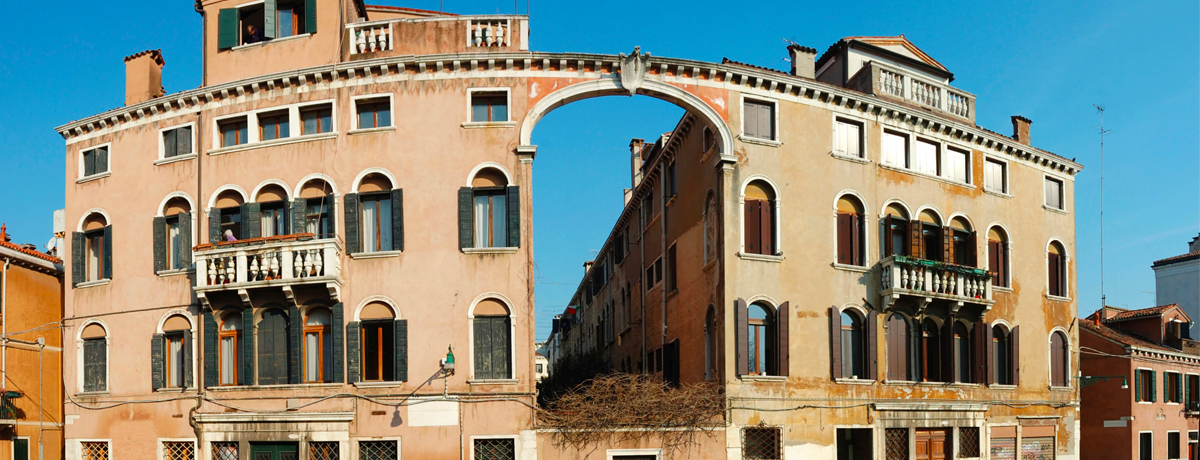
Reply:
x=1048, y=62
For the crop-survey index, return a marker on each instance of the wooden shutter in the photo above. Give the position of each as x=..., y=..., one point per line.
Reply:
x=353, y=352
x=1137, y=385
x=170, y=143
x=108, y=245
x=835, y=342
x=336, y=333
x=188, y=369
x=248, y=344
x=845, y=250
x=482, y=348
x=887, y=236
x=214, y=225
x=252, y=223
x=1052, y=272
x=856, y=246
x=783, y=344
x=981, y=334
x=753, y=226
x=156, y=362
x=1014, y=361
x=994, y=261
x=270, y=18
x=973, y=241
x=310, y=16
x=211, y=363
x=397, y=220
x=185, y=239
x=353, y=236
x=947, y=245
x=948, y=355
x=300, y=216
x=502, y=347
x=872, y=336
x=227, y=28
x=741, y=318
x=295, y=335
x=989, y=360
x=766, y=121
x=160, y=243
x=401, y=342
x=750, y=124
x=914, y=237
x=78, y=253
x=514, y=216
x=1153, y=386
x=266, y=349
x=766, y=211
x=331, y=201
x=466, y=221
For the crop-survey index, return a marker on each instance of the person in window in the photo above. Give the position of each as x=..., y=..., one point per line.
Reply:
x=229, y=236
x=253, y=35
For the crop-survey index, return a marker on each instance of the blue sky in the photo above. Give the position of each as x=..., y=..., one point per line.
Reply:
x=1049, y=61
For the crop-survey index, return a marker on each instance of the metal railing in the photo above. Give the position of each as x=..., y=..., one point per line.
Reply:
x=913, y=276
x=261, y=261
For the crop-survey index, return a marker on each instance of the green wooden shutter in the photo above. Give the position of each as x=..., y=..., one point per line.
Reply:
x=353, y=352
x=108, y=244
x=156, y=362
x=251, y=220
x=401, y=340
x=77, y=256
x=185, y=239
x=352, y=237
x=227, y=28
x=514, y=216
x=211, y=362
x=247, y=343
x=160, y=243
x=295, y=333
x=1179, y=389
x=214, y=225
x=270, y=19
x=310, y=16
x=336, y=333
x=1153, y=386
x=397, y=220
x=300, y=216
x=188, y=369
x=466, y=221
x=331, y=202
x=1137, y=386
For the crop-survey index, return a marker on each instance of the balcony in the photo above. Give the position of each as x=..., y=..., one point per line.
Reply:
x=891, y=82
x=927, y=280
x=439, y=35
x=283, y=261
x=1191, y=409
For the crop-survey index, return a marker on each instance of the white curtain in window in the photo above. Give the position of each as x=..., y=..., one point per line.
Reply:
x=268, y=222
x=175, y=373
x=956, y=165
x=893, y=149
x=370, y=226
x=93, y=260
x=228, y=361
x=172, y=249
x=312, y=348
x=925, y=158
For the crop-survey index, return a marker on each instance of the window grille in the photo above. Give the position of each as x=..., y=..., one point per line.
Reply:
x=376, y=450
x=968, y=441
x=179, y=450
x=324, y=450
x=495, y=449
x=94, y=450
x=225, y=450
x=897, y=443
x=760, y=443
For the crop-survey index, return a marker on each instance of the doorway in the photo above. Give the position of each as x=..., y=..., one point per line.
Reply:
x=931, y=444
x=274, y=451
x=855, y=444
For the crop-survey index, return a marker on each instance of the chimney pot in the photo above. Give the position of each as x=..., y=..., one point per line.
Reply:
x=803, y=61
x=143, y=76
x=1021, y=129
x=635, y=161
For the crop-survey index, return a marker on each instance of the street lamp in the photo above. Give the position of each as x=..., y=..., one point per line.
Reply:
x=1088, y=380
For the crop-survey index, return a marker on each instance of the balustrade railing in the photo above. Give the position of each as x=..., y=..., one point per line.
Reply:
x=894, y=82
x=900, y=274
x=266, y=260
x=891, y=82
x=926, y=93
x=370, y=37
x=488, y=33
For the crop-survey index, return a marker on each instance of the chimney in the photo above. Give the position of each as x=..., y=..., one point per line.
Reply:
x=587, y=266
x=635, y=161
x=1021, y=129
x=803, y=61
x=143, y=76
x=1194, y=245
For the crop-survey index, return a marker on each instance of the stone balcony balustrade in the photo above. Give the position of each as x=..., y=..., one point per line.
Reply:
x=282, y=261
x=927, y=280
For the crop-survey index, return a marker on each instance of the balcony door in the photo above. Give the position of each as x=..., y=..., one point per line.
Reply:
x=274, y=451
x=272, y=349
x=931, y=444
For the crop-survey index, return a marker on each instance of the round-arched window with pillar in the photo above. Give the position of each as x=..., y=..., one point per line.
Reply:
x=229, y=337
x=376, y=224
x=274, y=218
x=378, y=343
x=492, y=341
x=95, y=357
x=314, y=208
x=895, y=231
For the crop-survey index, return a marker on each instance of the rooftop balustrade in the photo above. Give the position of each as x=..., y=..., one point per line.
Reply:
x=452, y=34
x=884, y=80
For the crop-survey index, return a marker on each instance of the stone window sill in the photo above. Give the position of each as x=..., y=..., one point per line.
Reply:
x=375, y=255
x=852, y=268
x=850, y=158
x=91, y=394
x=996, y=386
x=755, y=140
x=270, y=143
x=852, y=381
x=777, y=258
x=493, y=381
x=268, y=42
x=904, y=170
x=289, y=386
x=381, y=129
x=997, y=193
x=175, y=159
x=504, y=250
x=1057, y=298
x=93, y=177
x=1054, y=388
x=169, y=273
x=378, y=384
x=1053, y=209
x=489, y=124
x=89, y=284
x=996, y=288
x=764, y=378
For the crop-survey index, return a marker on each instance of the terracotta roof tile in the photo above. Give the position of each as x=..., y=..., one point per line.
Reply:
x=154, y=54
x=31, y=252
x=1142, y=313
x=1122, y=337
x=1177, y=259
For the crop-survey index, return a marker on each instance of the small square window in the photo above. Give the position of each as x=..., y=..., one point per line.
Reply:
x=489, y=106
x=94, y=450
x=758, y=119
x=233, y=131
x=847, y=138
x=274, y=125
x=316, y=119
x=377, y=450
x=178, y=450
x=494, y=449
x=895, y=149
x=1054, y=193
x=177, y=141
x=761, y=443
x=326, y=450
x=994, y=176
x=374, y=113
x=95, y=161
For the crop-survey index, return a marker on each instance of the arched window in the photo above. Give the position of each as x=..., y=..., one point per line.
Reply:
x=489, y=211
x=931, y=351
x=272, y=348
x=378, y=343
x=962, y=247
x=175, y=357
x=853, y=345
x=898, y=348
x=95, y=357
x=930, y=245
x=760, y=336
x=998, y=257
x=1056, y=268
x=318, y=346
x=91, y=250
x=375, y=216
x=964, y=352
x=759, y=219
x=1059, y=360
x=226, y=219
x=230, y=336
x=173, y=236
x=895, y=231
x=492, y=351
x=849, y=231
x=1003, y=366
x=312, y=210
x=271, y=208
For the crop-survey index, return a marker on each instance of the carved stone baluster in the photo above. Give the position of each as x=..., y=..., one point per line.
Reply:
x=318, y=263
x=477, y=33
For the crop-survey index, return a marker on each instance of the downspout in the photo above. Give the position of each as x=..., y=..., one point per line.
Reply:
x=203, y=44
x=4, y=328
x=199, y=145
x=662, y=226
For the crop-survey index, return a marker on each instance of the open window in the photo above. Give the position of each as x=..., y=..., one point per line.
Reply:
x=226, y=219
x=171, y=352
x=931, y=351
x=378, y=345
x=489, y=211
x=928, y=237
x=229, y=349
x=1056, y=269
x=962, y=242
x=895, y=231
x=761, y=340
x=263, y=21
x=759, y=220
x=318, y=346
x=95, y=358
x=91, y=250
x=173, y=236
x=998, y=257
x=1003, y=365
x=375, y=216
x=492, y=341
x=270, y=207
x=850, y=231
x=312, y=210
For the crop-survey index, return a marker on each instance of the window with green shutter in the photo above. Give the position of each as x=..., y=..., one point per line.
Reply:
x=95, y=364
x=177, y=142
x=492, y=347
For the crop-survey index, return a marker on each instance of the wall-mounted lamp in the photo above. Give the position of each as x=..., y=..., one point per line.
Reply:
x=448, y=362
x=1088, y=380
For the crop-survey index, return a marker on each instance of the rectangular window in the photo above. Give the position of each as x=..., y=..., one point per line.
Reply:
x=1145, y=446
x=958, y=165
x=251, y=22
x=759, y=121
x=968, y=442
x=1192, y=396
x=173, y=365
x=925, y=158
x=1172, y=387
x=376, y=222
x=761, y=443
x=895, y=149
x=316, y=219
x=669, y=186
x=489, y=106
x=491, y=217
x=494, y=449
x=233, y=132
x=373, y=113
x=274, y=219
x=179, y=450
x=1054, y=193
x=994, y=179
x=94, y=450
x=94, y=264
x=316, y=119
x=177, y=142
x=377, y=450
x=289, y=18
x=1173, y=446
x=378, y=344
x=1144, y=385
x=647, y=210
x=273, y=126
x=328, y=450
x=20, y=449
x=671, y=271
x=173, y=242
x=225, y=450
x=229, y=351
x=539, y=368
x=847, y=138
x=95, y=161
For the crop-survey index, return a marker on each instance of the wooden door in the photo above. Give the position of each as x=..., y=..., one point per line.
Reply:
x=931, y=445
x=274, y=451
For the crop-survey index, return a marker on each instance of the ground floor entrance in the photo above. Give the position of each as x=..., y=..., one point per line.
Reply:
x=274, y=451
x=931, y=444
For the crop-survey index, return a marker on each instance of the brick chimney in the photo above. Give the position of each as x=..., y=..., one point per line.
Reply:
x=635, y=161
x=1021, y=129
x=803, y=61
x=143, y=76
x=588, y=266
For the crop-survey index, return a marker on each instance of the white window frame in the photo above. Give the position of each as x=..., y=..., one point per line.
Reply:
x=160, y=447
x=162, y=321
x=1050, y=362
x=1139, y=438
x=253, y=139
x=354, y=101
x=471, y=123
x=939, y=168
x=79, y=367
x=865, y=227
x=84, y=178
x=251, y=130
x=358, y=449
x=162, y=149
x=611, y=454
x=1006, y=191
x=908, y=140
x=862, y=137
x=1062, y=191
x=742, y=136
x=27, y=444
x=333, y=117
x=968, y=153
x=516, y=443
x=1182, y=390
x=1168, y=443
x=77, y=446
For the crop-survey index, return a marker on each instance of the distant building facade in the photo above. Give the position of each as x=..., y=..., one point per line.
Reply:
x=1177, y=281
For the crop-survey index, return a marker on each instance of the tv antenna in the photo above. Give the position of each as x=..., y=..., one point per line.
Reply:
x=1103, y=298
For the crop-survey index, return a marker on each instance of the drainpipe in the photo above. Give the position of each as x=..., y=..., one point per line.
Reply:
x=662, y=226
x=4, y=328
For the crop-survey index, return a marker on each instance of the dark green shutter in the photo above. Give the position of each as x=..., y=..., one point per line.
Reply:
x=270, y=19
x=214, y=225
x=188, y=369
x=251, y=220
x=514, y=216
x=295, y=333
x=483, y=348
x=353, y=353
x=401, y=341
x=331, y=206
x=310, y=16
x=466, y=221
x=397, y=220
x=227, y=28
x=170, y=143
x=1153, y=386
x=108, y=244
x=300, y=215
x=336, y=334
x=1137, y=385
x=156, y=362
x=353, y=237
x=247, y=342
x=160, y=243
x=501, y=348
x=77, y=256
x=211, y=363
x=101, y=160
x=185, y=240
